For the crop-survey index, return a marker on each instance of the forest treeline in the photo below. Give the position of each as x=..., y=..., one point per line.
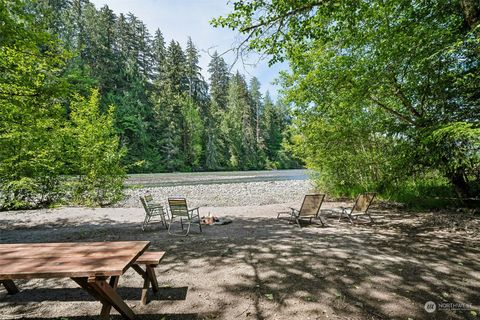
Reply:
x=385, y=98
x=167, y=115
x=88, y=95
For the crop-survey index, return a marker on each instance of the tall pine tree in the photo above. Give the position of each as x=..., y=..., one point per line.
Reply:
x=239, y=125
x=217, y=153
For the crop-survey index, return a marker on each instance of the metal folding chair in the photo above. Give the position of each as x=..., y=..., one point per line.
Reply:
x=309, y=210
x=360, y=208
x=152, y=210
x=179, y=210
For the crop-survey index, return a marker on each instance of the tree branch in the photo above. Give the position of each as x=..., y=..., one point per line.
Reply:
x=306, y=7
x=399, y=94
x=12, y=94
x=392, y=111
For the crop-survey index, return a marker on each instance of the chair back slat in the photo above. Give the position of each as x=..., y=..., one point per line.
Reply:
x=311, y=204
x=178, y=206
x=144, y=203
x=363, y=202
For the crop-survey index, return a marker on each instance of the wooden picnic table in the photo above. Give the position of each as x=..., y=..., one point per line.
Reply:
x=89, y=264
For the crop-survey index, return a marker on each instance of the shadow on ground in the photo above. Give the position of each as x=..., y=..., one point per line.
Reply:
x=264, y=268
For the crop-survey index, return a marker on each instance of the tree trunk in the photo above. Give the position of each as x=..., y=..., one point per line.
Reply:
x=471, y=12
x=460, y=183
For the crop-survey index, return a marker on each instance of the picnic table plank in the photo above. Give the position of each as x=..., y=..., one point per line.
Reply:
x=150, y=258
x=88, y=264
x=55, y=260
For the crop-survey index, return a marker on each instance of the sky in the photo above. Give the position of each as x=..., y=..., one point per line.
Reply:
x=179, y=19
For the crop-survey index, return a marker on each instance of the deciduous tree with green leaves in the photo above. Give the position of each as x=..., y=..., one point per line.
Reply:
x=409, y=67
x=94, y=151
x=31, y=86
x=41, y=139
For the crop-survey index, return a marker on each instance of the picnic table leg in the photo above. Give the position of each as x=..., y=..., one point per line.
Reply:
x=10, y=286
x=101, y=286
x=146, y=283
x=148, y=276
x=152, y=277
x=106, y=308
x=102, y=291
x=83, y=282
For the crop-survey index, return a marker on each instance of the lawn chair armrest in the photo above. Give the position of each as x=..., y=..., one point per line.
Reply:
x=285, y=213
x=192, y=214
x=295, y=212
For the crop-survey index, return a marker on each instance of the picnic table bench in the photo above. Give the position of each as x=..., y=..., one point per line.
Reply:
x=88, y=264
x=150, y=260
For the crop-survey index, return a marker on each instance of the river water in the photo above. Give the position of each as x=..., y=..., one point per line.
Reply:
x=196, y=178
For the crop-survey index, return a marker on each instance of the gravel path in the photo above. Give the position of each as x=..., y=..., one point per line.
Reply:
x=227, y=194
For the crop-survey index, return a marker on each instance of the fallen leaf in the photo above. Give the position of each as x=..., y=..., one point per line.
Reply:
x=269, y=296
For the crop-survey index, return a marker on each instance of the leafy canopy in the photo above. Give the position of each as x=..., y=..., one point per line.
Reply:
x=410, y=68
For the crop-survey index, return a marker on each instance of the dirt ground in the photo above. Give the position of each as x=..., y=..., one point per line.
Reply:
x=260, y=267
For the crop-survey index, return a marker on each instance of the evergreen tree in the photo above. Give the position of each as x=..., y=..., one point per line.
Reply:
x=156, y=128
x=158, y=56
x=120, y=31
x=197, y=88
x=131, y=93
x=104, y=64
x=239, y=125
x=140, y=47
x=172, y=107
x=257, y=110
x=273, y=126
x=175, y=68
x=168, y=121
x=219, y=78
x=198, y=92
x=257, y=106
x=214, y=157
x=216, y=150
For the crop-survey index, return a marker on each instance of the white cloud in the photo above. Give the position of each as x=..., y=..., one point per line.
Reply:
x=183, y=18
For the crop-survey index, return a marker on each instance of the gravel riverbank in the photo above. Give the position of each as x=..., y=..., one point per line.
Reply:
x=225, y=194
